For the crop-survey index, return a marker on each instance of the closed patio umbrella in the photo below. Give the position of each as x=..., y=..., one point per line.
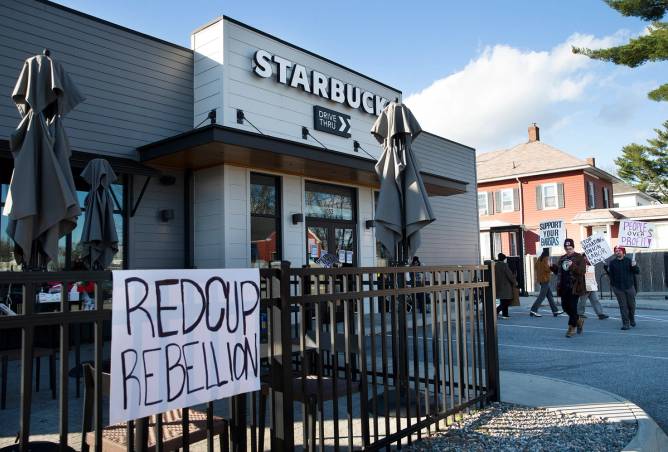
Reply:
x=99, y=238
x=41, y=203
x=403, y=204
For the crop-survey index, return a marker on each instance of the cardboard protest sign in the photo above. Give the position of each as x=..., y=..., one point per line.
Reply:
x=597, y=248
x=552, y=233
x=182, y=338
x=636, y=234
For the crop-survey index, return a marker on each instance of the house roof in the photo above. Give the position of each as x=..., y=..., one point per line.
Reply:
x=622, y=188
x=534, y=157
x=653, y=212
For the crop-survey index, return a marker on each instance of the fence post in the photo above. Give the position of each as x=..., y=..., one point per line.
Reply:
x=491, y=341
x=282, y=436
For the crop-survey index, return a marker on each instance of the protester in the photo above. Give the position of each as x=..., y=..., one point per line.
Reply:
x=590, y=295
x=543, y=275
x=505, y=285
x=570, y=271
x=621, y=271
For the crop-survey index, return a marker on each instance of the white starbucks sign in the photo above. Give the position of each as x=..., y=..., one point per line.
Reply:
x=295, y=75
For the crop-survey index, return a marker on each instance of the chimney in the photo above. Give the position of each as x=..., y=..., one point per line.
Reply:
x=591, y=161
x=534, y=133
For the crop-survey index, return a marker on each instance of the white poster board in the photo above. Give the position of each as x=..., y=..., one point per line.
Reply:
x=636, y=234
x=597, y=248
x=552, y=233
x=182, y=338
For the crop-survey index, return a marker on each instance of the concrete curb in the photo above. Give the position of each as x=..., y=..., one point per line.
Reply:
x=554, y=394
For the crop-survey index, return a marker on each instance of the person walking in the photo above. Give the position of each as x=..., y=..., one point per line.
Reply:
x=505, y=285
x=543, y=274
x=590, y=294
x=570, y=272
x=621, y=271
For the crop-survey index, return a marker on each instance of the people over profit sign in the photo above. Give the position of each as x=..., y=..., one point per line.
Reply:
x=297, y=76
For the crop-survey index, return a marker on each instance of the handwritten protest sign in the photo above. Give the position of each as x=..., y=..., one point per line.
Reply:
x=636, y=234
x=552, y=233
x=596, y=248
x=182, y=338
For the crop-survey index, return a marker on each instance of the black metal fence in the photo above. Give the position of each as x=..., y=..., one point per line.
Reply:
x=352, y=357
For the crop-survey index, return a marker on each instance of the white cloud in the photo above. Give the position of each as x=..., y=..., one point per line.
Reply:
x=491, y=101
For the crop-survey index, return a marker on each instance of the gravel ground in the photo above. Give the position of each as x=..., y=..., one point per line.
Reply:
x=507, y=427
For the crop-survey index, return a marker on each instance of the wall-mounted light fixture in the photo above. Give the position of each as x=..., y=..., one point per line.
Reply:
x=240, y=116
x=297, y=218
x=166, y=215
x=305, y=133
x=356, y=146
x=370, y=224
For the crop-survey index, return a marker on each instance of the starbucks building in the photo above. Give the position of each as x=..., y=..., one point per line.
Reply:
x=241, y=150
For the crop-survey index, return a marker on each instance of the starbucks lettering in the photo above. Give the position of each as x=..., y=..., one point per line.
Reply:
x=295, y=75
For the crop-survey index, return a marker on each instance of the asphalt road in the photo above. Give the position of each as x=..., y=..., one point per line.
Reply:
x=633, y=364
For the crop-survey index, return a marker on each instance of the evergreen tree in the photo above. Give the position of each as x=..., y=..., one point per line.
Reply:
x=646, y=166
x=652, y=46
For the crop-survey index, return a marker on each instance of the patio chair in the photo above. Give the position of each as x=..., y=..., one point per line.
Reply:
x=10, y=350
x=115, y=438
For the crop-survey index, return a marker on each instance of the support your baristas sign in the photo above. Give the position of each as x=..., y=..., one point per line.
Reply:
x=552, y=233
x=182, y=338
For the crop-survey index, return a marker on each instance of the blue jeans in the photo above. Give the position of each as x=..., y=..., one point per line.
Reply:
x=545, y=291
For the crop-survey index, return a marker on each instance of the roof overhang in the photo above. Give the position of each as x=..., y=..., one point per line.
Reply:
x=214, y=145
x=80, y=159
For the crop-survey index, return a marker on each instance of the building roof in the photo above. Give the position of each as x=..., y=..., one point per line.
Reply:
x=653, y=212
x=532, y=158
x=622, y=188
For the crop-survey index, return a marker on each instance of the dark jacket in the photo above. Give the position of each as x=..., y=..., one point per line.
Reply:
x=621, y=273
x=505, y=281
x=577, y=274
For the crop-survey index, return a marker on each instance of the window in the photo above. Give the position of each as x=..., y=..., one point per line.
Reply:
x=550, y=196
x=70, y=247
x=483, y=207
x=606, y=198
x=332, y=202
x=265, y=219
x=591, y=196
x=507, y=200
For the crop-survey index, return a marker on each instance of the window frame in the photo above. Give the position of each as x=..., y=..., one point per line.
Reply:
x=502, y=192
x=485, y=196
x=69, y=245
x=606, y=198
x=277, y=216
x=543, y=188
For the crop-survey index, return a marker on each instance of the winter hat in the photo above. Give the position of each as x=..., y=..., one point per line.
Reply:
x=569, y=242
x=621, y=248
x=501, y=257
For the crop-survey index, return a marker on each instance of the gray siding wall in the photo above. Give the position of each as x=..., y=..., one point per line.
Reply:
x=154, y=243
x=138, y=90
x=454, y=237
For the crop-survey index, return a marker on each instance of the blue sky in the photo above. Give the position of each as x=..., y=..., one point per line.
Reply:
x=474, y=72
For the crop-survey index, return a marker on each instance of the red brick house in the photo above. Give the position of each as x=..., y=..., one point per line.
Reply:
x=532, y=182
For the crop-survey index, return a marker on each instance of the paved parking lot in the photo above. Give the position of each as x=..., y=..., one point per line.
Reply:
x=632, y=364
